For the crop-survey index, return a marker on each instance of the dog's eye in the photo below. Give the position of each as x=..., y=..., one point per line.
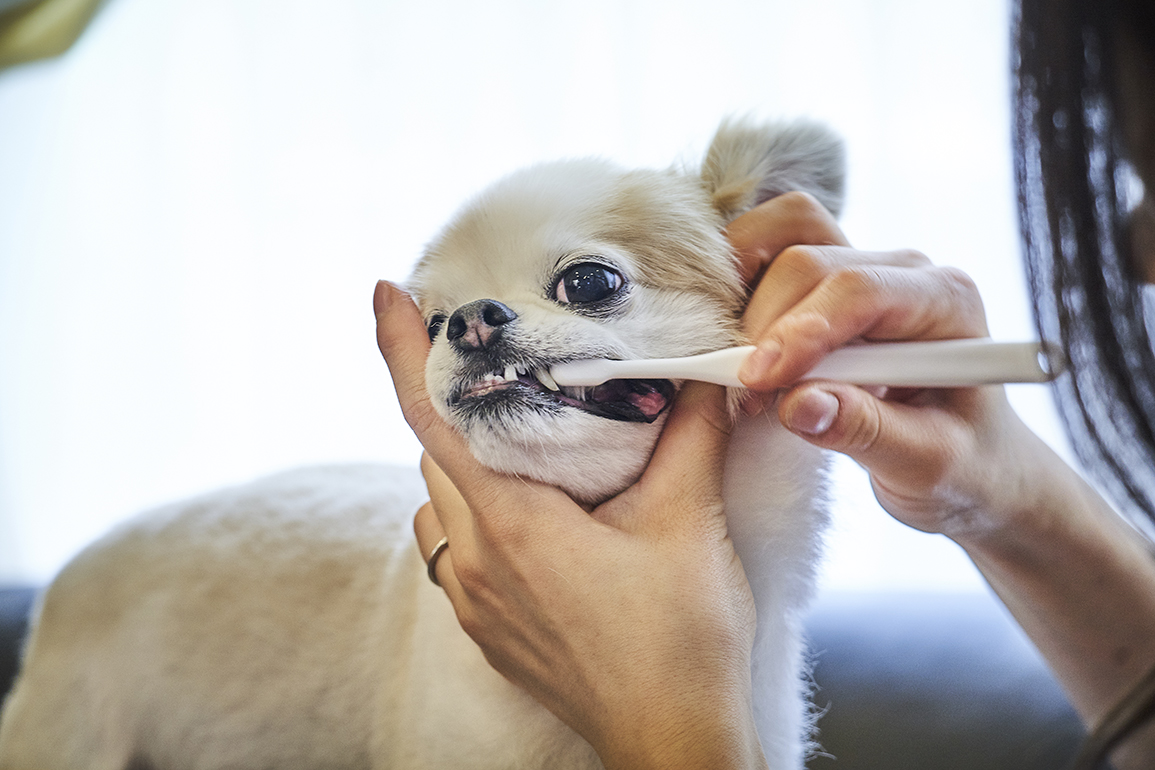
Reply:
x=587, y=282
x=434, y=324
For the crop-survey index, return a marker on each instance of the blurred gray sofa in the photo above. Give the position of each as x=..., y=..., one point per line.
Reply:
x=918, y=681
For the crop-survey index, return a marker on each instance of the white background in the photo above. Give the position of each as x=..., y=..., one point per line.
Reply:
x=196, y=202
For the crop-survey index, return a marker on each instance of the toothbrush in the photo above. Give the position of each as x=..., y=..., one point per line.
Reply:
x=937, y=364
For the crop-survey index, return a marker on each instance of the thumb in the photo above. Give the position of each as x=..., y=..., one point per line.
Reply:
x=691, y=453
x=904, y=446
x=404, y=342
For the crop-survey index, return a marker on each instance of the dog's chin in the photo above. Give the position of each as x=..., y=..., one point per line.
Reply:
x=589, y=458
x=590, y=442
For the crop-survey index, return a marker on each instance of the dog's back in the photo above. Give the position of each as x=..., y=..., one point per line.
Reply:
x=190, y=636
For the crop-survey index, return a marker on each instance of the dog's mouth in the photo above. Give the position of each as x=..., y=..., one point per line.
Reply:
x=624, y=400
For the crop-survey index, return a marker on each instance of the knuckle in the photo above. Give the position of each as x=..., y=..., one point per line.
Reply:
x=856, y=281
x=861, y=432
x=801, y=204
x=471, y=624
x=807, y=262
x=803, y=328
x=963, y=289
x=420, y=415
x=715, y=413
x=469, y=573
x=959, y=279
x=911, y=258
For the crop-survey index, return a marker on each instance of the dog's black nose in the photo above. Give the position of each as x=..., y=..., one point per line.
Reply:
x=478, y=325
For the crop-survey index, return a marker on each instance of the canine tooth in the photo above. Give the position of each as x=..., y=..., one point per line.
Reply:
x=511, y=372
x=544, y=377
x=522, y=369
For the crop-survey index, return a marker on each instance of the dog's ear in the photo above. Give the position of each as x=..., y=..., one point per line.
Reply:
x=750, y=163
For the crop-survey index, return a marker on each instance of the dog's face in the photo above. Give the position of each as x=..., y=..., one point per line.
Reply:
x=569, y=261
x=562, y=262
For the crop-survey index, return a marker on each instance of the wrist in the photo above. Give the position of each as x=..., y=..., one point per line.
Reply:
x=1021, y=488
x=710, y=733
x=1078, y=579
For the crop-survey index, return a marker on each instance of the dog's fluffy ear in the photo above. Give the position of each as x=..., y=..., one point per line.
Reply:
x=750, y=163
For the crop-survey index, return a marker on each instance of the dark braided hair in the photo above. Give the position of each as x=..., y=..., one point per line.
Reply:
x=1075, y=193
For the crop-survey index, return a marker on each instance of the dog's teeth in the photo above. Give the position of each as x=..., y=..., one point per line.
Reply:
x=544, y=377
x=511, y=372
x=522, y=369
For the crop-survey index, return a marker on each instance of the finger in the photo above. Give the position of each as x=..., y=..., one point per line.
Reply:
x=452, y=511
x=404, y=342
x=697, y=429
x=799, y=270
x=911, y=446
x=427, y=528
x=501, y=514
x=871, y=303
x=690, y=454
x=761, y=234
x=429, y=533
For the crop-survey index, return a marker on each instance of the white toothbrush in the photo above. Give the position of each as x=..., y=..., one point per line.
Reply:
x=937, y=364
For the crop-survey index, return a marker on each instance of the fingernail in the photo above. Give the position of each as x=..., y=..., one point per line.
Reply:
x=382, y=297
x=813, y=413
x=758, y=363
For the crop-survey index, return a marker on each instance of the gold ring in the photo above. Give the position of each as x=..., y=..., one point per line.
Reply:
x=434, y=555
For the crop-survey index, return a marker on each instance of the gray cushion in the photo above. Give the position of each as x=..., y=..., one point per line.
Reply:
x=933, y=681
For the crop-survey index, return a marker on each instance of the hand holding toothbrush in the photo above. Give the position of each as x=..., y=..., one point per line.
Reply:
x=939, y=458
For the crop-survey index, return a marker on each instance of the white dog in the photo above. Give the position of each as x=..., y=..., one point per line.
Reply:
x=289, y=623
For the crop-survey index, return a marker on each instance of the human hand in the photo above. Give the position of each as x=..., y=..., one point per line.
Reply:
x=633, y=623
x=941, y=460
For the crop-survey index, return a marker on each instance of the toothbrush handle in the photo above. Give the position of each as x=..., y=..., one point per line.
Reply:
x=933, y=364
x=940, y=364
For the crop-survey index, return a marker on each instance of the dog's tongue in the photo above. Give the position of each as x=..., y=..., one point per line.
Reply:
x=641, y=395
x=650, y=404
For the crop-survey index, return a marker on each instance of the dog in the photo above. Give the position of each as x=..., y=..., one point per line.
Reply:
x=289, y=622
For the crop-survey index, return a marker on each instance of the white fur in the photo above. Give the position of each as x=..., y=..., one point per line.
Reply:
x=289, y=623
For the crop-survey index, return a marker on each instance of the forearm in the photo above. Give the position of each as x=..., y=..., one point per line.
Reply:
x=1079, y=580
